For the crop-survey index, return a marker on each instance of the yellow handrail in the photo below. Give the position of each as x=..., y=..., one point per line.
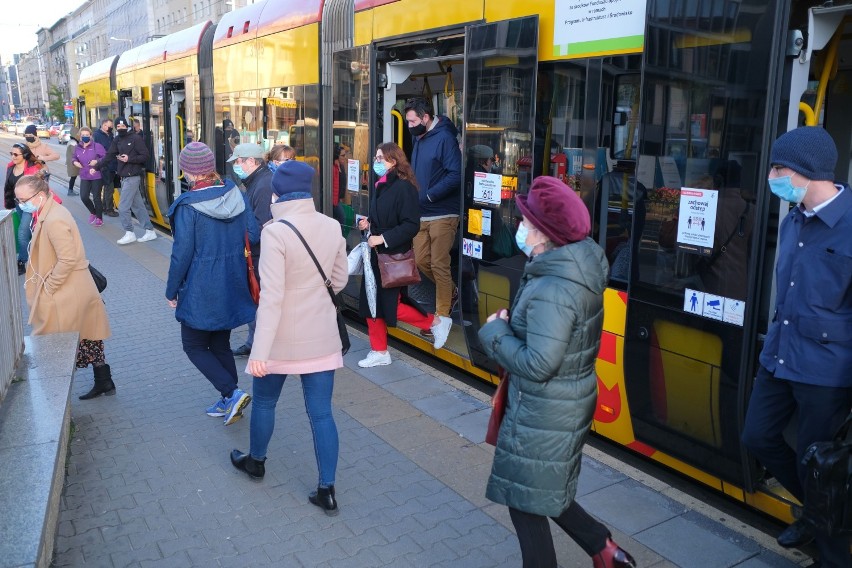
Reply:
x=829, y=69
x=810, y=116
x=181, y=138
x=400, y=121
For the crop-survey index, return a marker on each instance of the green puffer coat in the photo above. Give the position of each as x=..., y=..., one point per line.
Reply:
x=549, y=351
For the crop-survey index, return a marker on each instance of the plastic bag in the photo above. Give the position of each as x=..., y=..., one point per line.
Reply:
x=356, y=260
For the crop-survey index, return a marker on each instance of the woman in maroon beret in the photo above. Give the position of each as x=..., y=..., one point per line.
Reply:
x=549, y=349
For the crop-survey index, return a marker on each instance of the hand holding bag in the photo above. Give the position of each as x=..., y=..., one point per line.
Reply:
x=398, y=270
x=253, y=284
x=335, y=299
x=498, y=409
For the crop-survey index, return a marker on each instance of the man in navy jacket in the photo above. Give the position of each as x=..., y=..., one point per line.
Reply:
x=436, y=160
x=806, y=358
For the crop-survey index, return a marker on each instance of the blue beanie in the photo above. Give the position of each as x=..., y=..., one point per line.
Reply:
x=293, y=177
x=807, y=150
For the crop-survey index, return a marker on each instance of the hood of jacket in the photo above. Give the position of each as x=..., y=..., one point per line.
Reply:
x=582, y=262
x=224, y=202
x=443, y=123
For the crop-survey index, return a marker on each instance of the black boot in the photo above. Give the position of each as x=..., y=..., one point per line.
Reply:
x=103, y=383
x=323, y=498
x=255, y=469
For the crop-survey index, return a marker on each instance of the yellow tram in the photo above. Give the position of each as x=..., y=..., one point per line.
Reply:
x=638, y=106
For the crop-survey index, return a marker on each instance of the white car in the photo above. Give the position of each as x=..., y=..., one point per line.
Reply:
x=21, y=126
x=64, y=135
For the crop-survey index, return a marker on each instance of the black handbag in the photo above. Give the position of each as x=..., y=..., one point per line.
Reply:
x=335, y=298
x=98, y=277
x=828, y=484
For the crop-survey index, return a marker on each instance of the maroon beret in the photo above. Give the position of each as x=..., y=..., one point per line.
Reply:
x=554, y=209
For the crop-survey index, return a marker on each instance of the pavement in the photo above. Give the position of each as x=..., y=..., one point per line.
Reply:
x=149, y=482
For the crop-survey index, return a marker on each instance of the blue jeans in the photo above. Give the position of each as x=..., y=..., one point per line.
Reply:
x=317, y=389
x=821, y=412
x=210, y=352
x=25, y=235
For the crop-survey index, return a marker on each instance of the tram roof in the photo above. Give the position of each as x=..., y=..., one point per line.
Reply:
x=173, y=46
x=265, y=18
x=98, y=70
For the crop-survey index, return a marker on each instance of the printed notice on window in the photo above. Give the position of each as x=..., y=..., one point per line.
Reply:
x=352, y=168
x=696, y=224
x=487, y=187
x=585, y=28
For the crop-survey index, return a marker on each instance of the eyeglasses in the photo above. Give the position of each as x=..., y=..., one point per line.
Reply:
x=22, y=201
x=14, y=154
x=379, y=159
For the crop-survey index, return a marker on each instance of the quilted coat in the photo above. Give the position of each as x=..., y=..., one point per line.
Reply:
x=548, y=348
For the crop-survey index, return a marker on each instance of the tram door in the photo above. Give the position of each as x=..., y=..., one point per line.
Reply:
x=172, y=125
x=501, y=60
x=690, y=335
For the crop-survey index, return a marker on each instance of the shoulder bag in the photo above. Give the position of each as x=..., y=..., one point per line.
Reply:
x=98, y=277
x=498, y=409
x=335, y=299
x=253, y=284
x=398, y=270
x=827, y=479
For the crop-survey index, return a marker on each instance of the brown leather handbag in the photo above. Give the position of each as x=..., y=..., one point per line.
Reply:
x=398, y=270
x=498, y=409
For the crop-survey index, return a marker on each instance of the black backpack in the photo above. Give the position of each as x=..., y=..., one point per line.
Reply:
x=828, y=484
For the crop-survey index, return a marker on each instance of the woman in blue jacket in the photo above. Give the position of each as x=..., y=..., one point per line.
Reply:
x=549, y=350
x=207, y=281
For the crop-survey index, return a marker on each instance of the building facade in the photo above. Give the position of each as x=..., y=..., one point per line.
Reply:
x=32, y=83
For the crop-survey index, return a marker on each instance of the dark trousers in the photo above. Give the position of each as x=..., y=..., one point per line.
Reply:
x=91, y=189
x=71, y=181
x=210, y=352
x=821, y=411
x=537, y=543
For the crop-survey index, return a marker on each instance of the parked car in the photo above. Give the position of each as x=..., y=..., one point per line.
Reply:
x=20, y=127
x=64, y=135
x=42, y=131
x=55, y=129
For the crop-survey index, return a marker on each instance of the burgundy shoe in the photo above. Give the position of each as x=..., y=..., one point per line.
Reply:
x=613, y=556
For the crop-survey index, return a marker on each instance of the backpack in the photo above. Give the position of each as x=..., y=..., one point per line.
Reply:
x=828, y=484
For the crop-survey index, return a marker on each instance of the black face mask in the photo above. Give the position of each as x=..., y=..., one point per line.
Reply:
x=109, y=130
x=30, y=138
x=122, y=132
x=418, y=130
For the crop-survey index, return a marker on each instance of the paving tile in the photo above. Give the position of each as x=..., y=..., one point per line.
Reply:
x=418, y=387
x=448, y=405
x=630, y=506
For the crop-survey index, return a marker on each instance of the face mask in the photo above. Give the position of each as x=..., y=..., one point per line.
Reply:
x=86, y=139
x=122, y=132
x=521, y=240
x=417, y=130
x=109, y=130
x=30, y=138
x=241, y=173
x=272, y=166
x=380, y=168
x=29, y=206
x=783, y=187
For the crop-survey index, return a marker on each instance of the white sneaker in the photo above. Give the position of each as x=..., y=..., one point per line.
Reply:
x=129, y=237
x=149, y=235
x=441, y=330
x=375, y=358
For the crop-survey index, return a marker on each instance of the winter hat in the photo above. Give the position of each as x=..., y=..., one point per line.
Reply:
x=197, y=159
x=122, y=121
x=481, y=152
x=554, y=209
x=293, y=177
x=807, y=150
x=227, y=122
x=31, y=129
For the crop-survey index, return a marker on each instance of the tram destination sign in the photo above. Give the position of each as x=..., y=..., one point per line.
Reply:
x=588, y=28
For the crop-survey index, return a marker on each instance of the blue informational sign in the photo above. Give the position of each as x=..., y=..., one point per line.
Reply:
x=69, y=114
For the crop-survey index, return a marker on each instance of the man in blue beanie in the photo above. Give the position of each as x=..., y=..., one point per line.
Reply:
x=806, y=358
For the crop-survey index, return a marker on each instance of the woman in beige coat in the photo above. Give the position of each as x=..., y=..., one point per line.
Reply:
x=60, y=291
x=297, y=325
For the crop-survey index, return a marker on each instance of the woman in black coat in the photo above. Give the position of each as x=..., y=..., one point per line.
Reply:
x=393, y=221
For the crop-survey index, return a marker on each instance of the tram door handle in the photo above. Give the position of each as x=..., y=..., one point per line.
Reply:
x=643, y=333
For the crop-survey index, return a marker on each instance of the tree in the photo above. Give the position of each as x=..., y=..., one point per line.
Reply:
x=56, y=102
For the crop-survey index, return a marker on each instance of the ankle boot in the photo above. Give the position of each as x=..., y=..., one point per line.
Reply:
x=613, y=556
x=103, y=383
x=255, y=469
x=323, y=498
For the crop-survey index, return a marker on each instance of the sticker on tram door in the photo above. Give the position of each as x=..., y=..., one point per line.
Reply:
x=713, y=306
x=693, y=301
x=734, y=312
x=472, y=248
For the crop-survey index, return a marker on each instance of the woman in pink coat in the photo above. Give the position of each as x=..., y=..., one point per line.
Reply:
x=297, y=325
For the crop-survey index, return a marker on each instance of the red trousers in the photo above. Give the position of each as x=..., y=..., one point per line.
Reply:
x=378, y=329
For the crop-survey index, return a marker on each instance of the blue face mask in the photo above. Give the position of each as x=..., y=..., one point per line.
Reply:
x=521, y=240
x=29, y=206
x=272, y=166
x=238, y=169
x=783, y=187
x=86, y=139
x=380, y=168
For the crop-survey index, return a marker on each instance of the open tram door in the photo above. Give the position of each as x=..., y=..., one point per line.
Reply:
x=171, y=129
x=135, y=104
